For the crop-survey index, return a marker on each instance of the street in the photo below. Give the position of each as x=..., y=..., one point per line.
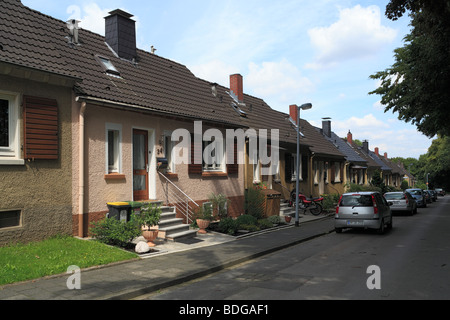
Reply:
x=411, y=261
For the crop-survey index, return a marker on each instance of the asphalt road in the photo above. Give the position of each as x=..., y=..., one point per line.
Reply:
x=411, y=261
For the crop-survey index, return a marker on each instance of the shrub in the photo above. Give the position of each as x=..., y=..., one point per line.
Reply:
x=246, y=219
x=254, y=203
x=115, y=232
x=330, y=201
x=274, y=219
x=228, y=225
x=220, y=204
x=265, y=224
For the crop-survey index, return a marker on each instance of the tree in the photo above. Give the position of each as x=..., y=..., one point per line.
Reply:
x=416, y=85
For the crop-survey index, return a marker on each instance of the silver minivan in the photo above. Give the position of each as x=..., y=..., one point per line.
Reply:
x=367, y=210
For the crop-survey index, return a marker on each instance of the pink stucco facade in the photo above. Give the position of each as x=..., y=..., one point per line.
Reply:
x=101, y=188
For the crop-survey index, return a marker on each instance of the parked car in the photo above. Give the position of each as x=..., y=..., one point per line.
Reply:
x=433, y=195
x=401, y=201
x=419, y=195
x=428, y=197
x=368, y=210
x=440, y=191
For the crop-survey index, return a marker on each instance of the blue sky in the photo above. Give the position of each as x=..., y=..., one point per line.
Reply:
x=289, y=52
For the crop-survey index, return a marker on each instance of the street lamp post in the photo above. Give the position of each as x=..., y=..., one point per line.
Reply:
x=305, y=106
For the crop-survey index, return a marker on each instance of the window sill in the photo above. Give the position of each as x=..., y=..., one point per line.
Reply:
x=115, y=176
x=214, y=174
x=171, y=175
x=12, y=162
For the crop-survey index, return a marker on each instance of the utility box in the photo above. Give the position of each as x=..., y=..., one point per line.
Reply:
x=272, y=200
x=119, y=211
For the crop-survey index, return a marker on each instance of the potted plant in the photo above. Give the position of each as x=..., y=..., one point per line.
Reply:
x=147, y=219
x=203, y=218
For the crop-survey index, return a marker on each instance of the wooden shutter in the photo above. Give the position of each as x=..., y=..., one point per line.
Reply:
x=305, y=168
x=287, y=167
x=194, y=168
x=233, y=168
x=40, y=117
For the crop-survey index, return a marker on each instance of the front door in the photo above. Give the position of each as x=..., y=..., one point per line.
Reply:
x=140, y=165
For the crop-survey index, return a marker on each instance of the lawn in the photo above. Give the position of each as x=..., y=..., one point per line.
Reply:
x=53, y=256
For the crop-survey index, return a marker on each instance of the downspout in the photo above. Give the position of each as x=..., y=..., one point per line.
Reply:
x=81, y=172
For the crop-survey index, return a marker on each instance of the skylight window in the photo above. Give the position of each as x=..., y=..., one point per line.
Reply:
x=108, y=67
x=241, y=112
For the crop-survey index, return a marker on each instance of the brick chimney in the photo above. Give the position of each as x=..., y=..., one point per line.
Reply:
x=377, y=151
x=293, y=112
x=237, y=86
x=120, y=34
x=350, y=137
x=386, y=155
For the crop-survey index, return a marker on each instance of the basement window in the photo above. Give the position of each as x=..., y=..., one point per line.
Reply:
x=108, y=67
x=9, y=219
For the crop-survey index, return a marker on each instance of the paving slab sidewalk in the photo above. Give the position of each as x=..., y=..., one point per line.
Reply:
x=176, y=264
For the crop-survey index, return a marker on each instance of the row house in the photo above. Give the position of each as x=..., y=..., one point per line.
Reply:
x=89, y=119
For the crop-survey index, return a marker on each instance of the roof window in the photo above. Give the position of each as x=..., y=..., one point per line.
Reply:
x=241, y=112
x=108, y=67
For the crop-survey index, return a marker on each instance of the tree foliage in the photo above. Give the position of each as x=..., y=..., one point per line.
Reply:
x=435, y=163
x=417, y=84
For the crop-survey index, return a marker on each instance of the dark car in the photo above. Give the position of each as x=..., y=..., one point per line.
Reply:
x=419, y=195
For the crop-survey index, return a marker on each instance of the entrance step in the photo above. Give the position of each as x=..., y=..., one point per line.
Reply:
x=172, y=228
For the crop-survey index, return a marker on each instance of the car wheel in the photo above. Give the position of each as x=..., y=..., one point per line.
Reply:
x=390, y=224
x=381, y=229
x=338, y=230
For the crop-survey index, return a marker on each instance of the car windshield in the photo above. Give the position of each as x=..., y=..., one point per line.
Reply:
x=356, y=200
x=415, y=192
x=394, y=196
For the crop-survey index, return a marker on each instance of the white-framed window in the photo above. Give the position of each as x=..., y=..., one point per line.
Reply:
x=168, y=151
x=10, y=151
x=256, y=167
x=113, y=148
x=316, y=173
x=337, y=172
x=213, y=156
x=294, y=168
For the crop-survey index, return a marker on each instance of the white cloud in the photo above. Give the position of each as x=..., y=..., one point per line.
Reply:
x=358, y=33
x=91, y=17
x=215, y=71
x=278, y=81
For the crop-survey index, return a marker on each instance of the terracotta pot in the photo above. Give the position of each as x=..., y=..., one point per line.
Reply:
x=150, y=236
x=287, y=218
x=202, y=224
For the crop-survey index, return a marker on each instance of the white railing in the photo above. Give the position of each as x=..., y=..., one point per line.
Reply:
x=174, y=196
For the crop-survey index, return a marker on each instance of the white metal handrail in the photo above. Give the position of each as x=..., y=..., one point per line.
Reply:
x=175, y=196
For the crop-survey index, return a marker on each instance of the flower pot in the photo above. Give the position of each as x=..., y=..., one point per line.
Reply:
x=287, y=218
x=202, y=224
x=150, y=236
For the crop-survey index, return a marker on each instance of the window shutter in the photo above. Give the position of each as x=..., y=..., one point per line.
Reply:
x=305, y=168
x=194, y=168
x=40, y=117
x=287, y=167
x=333, y=172
x=234, y=168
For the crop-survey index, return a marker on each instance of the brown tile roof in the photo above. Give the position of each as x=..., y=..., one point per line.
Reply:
x=32, y=39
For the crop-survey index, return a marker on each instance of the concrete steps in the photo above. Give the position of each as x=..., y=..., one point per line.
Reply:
x=172, y=228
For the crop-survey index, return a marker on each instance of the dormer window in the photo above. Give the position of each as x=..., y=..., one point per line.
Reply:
x=108, y=67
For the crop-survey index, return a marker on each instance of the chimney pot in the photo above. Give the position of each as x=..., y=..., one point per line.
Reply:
x=377, y=151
